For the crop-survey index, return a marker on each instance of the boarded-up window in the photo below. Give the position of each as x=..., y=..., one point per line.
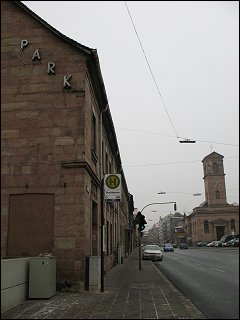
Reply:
x=30, y=227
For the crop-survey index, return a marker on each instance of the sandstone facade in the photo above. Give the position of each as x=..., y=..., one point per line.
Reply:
x=58, y=141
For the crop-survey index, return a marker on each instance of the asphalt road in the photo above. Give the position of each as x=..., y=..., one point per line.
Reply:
x=208, y=276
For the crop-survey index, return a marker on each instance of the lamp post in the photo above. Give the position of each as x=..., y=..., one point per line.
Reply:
x=139, y=233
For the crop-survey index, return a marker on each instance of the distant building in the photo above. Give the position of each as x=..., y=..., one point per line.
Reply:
x=153, y=234
x=167, y=226
x=214, y=217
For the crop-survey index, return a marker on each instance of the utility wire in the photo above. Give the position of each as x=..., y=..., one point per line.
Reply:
x=166, y=135
x=151, y=70
x=158, y=164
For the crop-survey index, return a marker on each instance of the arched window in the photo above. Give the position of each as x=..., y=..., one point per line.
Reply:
x=217, y=194
x=233, y=224
x=206, y=226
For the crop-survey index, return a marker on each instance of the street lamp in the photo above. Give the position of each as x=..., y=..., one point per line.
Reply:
x=187, y=141
x=139, y=234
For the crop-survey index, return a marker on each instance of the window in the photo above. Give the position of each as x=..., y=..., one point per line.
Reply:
x=103, y=171
x=106, y=163
x=110, y=167
x=206, y=226
x=217, y=194
x=93, y=141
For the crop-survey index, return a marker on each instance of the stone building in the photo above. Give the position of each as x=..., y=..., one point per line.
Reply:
x=58, y=142
x=153, y=234
x=167, y=226
x=214, y=217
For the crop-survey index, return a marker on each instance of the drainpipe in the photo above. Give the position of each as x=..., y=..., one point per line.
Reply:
x=102, y=198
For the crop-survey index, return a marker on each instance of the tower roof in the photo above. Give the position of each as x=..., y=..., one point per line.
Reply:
x=213, y=155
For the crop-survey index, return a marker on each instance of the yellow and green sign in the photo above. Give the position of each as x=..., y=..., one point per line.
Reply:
x=112, y=181
x=112, y=187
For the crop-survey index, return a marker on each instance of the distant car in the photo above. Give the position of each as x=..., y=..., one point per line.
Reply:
x=227, y=243
x=183, y=246
x=168, y=247
x=201, y=244
x=235, y=243
x=214, y=243
x=152, y=252
x=211, y=244
x=227, y=238
x=232, y=243
x=174, y=245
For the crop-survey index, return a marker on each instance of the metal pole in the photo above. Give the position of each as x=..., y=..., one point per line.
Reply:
x=139, y=231
x=139, y=243
x=139, y=250
x=102, y=244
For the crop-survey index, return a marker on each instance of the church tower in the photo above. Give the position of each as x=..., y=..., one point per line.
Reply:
x=214, y=180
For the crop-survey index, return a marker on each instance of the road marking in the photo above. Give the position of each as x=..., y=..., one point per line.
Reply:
x=197, y=264
x=217, y=269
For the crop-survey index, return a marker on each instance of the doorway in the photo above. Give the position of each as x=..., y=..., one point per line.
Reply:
x=220, y=232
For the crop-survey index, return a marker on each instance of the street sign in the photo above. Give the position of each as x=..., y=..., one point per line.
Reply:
x=112, y=187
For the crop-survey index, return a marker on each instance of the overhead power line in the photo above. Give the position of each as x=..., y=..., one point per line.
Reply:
x=163, y=163
x=167, y=135
x=151, y=71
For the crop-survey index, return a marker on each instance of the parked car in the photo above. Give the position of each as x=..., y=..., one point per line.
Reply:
x=211, y=244
x=214, y=243
x=232, y=243
x=174, y=245
x=235, y=242
x=152, y=252
x=168, y=247
x=227, y=244
x=201, y=244
x=183, y=246
x=227, y=238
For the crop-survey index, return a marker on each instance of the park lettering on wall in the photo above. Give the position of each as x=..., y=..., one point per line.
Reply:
x=51, y=65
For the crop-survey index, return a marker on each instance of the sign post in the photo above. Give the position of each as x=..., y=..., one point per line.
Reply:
x=111, y=191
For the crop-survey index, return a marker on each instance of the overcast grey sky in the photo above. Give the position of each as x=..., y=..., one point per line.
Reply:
x=192, y=48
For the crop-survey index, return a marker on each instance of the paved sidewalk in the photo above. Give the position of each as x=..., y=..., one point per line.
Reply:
x=129, y=293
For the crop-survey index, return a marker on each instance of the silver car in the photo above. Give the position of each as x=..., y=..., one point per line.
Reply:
x=152, y=252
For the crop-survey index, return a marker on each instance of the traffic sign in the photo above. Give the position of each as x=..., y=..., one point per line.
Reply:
x=112, y=187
